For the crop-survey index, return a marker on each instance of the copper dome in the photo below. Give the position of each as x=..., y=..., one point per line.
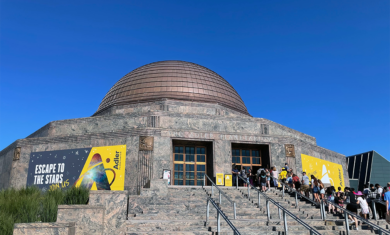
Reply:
x=176, y=80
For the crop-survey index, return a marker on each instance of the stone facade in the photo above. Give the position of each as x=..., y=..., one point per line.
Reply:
x=164, y=120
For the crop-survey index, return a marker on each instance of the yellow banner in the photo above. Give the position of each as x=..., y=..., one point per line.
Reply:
x=219, y=179
x=228, y=180
x=328, y=172
x=104, y=168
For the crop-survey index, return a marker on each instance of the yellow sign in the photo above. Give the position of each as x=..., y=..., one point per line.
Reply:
x=327, y=172
x=104, y=169
x=228, y=180
x=219, y=179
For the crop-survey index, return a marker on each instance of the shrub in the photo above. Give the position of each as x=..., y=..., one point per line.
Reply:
x=29, y=205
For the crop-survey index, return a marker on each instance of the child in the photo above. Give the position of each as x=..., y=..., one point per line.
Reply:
x=363, y=204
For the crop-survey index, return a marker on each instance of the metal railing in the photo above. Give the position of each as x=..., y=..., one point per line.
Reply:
x=373, y=203
x=219, y=214
x=347, y=212
x=284, y=185
x=280, y=208
x=220, y=193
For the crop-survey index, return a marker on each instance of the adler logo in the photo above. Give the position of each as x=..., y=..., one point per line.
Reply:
x=117, y=159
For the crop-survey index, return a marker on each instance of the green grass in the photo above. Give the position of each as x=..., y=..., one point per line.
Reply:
x=31, y=205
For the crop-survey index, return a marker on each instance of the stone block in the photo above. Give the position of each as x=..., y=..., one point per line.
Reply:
x=45, y=228
x=115, y=212
x=88, y=219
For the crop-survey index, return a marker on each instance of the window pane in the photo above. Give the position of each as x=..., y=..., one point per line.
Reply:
x=201, y=167
x=190, y=167
x=178, y=175
x=190, y=175
x=245, y=152
x=200, y=158
x=190, y=182
x=178, y=182
x=255, y=160
x=178, y=149
x=178, y=167
x=190, y=158
x=246, y=160
x=200, y=175
x=255, y=153
x=178, y=157
x=200, y=151
x=199, y=182
x=236, y=152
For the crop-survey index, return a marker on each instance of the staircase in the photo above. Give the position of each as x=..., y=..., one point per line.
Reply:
x=163, y=209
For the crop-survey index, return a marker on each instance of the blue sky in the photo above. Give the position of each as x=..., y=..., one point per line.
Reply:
x=319, y=67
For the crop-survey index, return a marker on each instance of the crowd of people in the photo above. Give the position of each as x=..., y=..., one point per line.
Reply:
x=264, y=179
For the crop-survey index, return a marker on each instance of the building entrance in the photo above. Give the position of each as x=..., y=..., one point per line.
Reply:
x=190, y=162
x=250, y=156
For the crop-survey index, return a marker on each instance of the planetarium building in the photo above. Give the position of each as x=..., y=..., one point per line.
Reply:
x=170, y=116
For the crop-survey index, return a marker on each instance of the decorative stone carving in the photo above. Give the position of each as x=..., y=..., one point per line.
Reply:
x=290, y=150
x=264, y=129
x=146, y=143
x=17, y=153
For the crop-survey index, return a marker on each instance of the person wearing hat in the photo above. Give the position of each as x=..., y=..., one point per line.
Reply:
x=363, y=204
x=286, y=166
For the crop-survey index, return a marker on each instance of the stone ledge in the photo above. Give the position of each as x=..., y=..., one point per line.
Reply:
x=60, y=228
x=108, y=192
x=85, y=207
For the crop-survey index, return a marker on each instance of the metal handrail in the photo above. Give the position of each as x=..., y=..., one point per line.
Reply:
x=347, y=212
x=373, y=202
x=220, y=193
x=285, y=211
x=219, y=213
x=296, y=191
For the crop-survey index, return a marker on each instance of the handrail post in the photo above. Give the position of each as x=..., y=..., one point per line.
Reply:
x=285, y=223
x=236, y=181
x=267, y=205
x=208, y=210
x=212, y=190
x=249, y=192
x=346, y=222
x=258, y=198
x=323, y=209
x=374, y=209
x=296, y=199
x=218, y=222
x=322, y=212
x=280, y=214
x=204, y=180
x=220, y=197
x=283, y=192
x=234, y=210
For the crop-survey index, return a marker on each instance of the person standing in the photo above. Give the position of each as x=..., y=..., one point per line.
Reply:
x=263, y=181
x=381, y=209
x=235, y=172
x=322, y=189
x=352, y=206
x=387, y=200
x=244, y=176
x=363, y=204
x=297, y=184
x=251, y=176
x=305, y=184
x=286, y=166
x=268, y=174
x=315, y=188
x=275, y=175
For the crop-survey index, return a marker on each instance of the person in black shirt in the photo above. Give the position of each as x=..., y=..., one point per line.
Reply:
x=352, y=206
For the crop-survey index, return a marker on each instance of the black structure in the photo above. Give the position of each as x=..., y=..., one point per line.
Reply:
x=369, y=167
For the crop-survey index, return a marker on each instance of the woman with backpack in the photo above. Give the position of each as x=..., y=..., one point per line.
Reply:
x=263, y=181
x=296, y=182
x=331, y=198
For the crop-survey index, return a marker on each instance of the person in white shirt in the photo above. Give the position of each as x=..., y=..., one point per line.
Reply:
x=363, y=204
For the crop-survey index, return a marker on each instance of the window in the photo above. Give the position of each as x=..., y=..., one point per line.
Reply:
x=245, y=158
x=190, y=165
